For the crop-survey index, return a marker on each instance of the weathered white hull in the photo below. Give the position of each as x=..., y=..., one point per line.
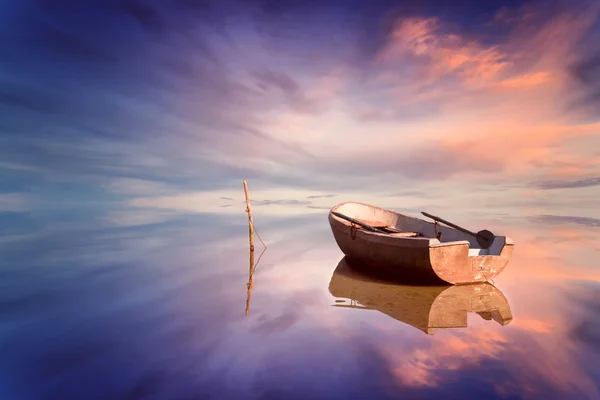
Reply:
x=455, y=259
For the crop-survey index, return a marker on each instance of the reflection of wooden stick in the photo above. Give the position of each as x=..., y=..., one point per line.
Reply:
x=251, y=234
x=249, y=284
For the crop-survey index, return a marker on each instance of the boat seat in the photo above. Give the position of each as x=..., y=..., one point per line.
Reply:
x=405, y=234
x=392, y=230
x=399, y=233
x=478, y=252
x=374, y=224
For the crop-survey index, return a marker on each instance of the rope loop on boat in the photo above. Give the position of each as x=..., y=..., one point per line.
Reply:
x=353, y=229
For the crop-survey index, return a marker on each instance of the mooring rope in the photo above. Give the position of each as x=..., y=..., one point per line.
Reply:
x=259, y=238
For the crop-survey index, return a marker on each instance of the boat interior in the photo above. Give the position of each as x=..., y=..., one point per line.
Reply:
x=400, y=225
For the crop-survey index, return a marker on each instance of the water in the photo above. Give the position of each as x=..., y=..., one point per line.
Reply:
x=158, y=311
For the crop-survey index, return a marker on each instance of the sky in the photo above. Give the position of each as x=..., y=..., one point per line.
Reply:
x=136, y=110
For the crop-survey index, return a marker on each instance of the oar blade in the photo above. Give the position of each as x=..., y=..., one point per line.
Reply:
x=485, y=238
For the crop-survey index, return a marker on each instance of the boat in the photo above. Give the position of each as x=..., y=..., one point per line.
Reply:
x=413, y=248
x=427, y=308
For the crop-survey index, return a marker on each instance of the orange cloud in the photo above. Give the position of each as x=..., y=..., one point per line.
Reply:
x=533, y=325
x=526, y=81
x=434, y=104
x=445, y=54
x=420, y=366
x=500, y=104
x=547, y=255
x=572, y=165
x=531, y=363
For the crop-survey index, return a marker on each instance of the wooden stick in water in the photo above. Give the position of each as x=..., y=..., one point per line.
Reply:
x=250, y=224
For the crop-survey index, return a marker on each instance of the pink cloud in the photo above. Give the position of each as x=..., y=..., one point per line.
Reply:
x=532, y=361
x=537, y=52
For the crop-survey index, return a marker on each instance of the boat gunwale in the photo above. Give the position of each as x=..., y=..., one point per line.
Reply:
x=399, y=240
x=433, y=242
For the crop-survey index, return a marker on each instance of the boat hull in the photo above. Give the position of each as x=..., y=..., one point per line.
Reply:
x=415, y=258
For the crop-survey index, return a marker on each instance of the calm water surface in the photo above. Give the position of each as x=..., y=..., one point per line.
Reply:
x=89, y=311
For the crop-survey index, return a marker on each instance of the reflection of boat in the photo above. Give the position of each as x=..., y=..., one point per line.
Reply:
x=412, y=247
x=427, y=308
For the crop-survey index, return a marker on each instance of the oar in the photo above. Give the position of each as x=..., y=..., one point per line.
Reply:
x=367, y=227
x=483, y=237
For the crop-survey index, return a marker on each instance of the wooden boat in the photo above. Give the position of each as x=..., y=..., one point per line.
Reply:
x=427, y=308
x=414, y=248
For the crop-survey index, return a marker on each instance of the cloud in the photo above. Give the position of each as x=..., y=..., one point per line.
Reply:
x=209, y=202
x=483, y=97
x=563, y=219
x=268, y=78
x=578, y=162
x=526, y=81
x=321, y=196
x=435, y=160
x=429, y=365
x=534, y=325
x=137, y=217
x=585, y=330
x=282, y=202
x=587, y=72
x=132, y=186
x=546, y=253
x=421, y=366
x=440, y=55
x=318, y=207
x=567, y=184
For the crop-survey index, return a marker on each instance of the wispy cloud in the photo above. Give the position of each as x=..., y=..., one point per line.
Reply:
x=567, y=184
x=137, y=187
x=321, y=196
x=565, y=219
